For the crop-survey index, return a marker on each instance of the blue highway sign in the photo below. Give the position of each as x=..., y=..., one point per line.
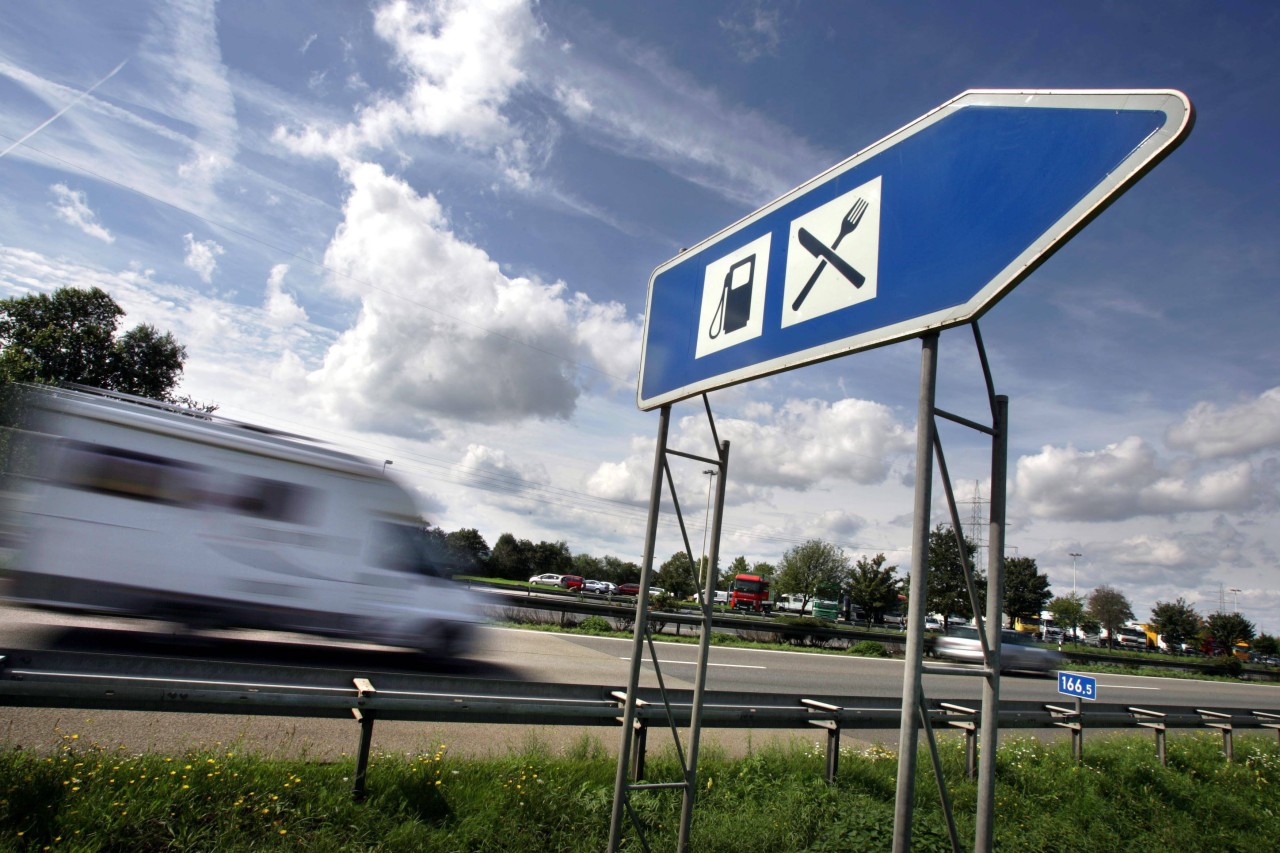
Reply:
x=1081, y=686
x=926, y=229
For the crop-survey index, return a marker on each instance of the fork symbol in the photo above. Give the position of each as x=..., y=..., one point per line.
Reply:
x=850, y=222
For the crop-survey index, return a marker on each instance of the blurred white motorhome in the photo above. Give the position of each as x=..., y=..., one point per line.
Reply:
x=133, y=507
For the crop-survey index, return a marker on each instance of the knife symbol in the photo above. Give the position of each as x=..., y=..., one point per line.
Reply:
x=818, y=249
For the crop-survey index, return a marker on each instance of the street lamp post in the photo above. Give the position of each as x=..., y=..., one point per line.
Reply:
x=1074, y=555
x=1236, y=594
x=385, y=463
x=706, y=525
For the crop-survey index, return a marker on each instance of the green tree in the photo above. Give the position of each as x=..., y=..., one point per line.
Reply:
x=1111, y=609
x=1068, y=612
x=588, y=566
x=812, y=568
x=1265, y=644
x=468, y=549
x=873, y=587
x=764, y=570
x=948, y=594
x=739, y=566
x=1026, y=591
x=1175, y=621
x=619, y=571
x=676, y=576
x=70, y=336
x=1227, y=629
x=551, y=557
x=512, y=558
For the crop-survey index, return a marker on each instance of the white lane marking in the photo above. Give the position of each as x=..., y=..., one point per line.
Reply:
x=1126, y=687
x=695, y=663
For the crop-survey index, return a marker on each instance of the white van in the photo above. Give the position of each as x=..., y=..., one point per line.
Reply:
x=139, y=508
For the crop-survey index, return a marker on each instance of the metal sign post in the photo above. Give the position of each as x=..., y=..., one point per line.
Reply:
x=912, y=678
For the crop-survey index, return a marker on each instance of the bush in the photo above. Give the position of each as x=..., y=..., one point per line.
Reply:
x=595, y=625
x=869, y=649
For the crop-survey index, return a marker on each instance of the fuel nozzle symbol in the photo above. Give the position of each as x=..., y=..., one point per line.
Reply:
x=734, y=310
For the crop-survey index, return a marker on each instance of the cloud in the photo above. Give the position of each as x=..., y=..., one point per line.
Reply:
x=280, y=306
x=461, y=61
x=753, y=30
x=443, y=333
x=183, y=49
x=1211, y=433
x=1124, y=480
x=202, y=256
x=797, y=445
x=73, y=209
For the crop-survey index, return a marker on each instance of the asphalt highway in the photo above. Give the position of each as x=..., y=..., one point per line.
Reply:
x=503, y=654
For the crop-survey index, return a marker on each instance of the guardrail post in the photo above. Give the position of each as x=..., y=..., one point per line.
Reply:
x=1270, y=721
x=1153, y=720
x=1072, y=719
x=833, y=734
x=1211, y=719
x=364, y=688
x=970, y=730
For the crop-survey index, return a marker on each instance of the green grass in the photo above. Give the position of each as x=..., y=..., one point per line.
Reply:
x=87, y=798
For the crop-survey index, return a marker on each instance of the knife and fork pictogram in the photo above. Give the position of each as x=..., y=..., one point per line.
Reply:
x=828, y=255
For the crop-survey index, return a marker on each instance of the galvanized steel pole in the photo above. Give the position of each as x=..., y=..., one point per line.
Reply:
x=990, y=734
x=704, y=653
x=642, y=624
x=912, y=677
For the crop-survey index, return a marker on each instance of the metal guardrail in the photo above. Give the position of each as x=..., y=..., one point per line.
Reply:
x=43, y=679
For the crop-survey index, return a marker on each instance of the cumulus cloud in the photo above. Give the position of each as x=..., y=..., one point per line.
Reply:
x=797, y=445
x=1124, y=480
x=1210, y=432
x=279, y=305
x=461, y=61
x=493, y=469
x=202, y=256
x=73, y=208
x=443, y=333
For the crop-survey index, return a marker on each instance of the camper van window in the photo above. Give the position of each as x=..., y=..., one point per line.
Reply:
x=271, y=499
x=126, y=474
x=402, y=548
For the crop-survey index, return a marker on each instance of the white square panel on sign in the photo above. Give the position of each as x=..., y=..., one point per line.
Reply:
x=733, y=298
x=832, y=256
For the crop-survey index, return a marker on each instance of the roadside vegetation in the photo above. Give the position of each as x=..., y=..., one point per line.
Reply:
x=86, y=797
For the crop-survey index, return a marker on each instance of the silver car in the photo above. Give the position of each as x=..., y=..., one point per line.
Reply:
x=1017, y=650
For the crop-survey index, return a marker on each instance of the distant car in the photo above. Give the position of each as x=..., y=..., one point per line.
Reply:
x=932, y=624
x=1017, y=650
x=721, y=596
x=634, y=589
x=599, y=587
x=571, y=581
x=548, y=579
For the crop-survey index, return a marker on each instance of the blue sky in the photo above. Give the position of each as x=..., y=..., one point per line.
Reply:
x=424, y=231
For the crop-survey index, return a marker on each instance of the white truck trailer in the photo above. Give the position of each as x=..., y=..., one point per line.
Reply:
x=137, y=508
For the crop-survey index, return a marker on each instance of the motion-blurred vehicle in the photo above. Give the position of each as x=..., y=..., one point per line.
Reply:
x=571, y=581
x=548, y=579
x=598, y=587
x=1017, y=650
x=135, y=507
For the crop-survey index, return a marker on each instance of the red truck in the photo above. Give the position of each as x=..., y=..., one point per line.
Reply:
x=750, y=592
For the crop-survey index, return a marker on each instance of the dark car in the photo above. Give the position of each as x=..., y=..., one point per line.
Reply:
x=571, y=581
x=634, y=589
